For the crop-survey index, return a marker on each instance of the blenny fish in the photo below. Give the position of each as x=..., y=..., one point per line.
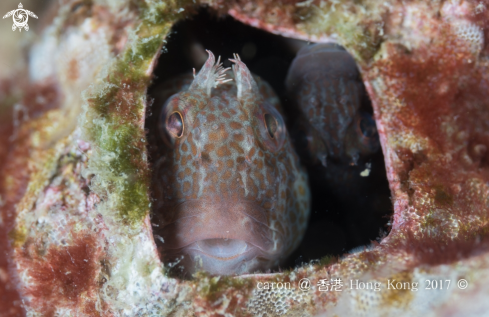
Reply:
x=230, y=195
x=325, y=85
x=336, y=136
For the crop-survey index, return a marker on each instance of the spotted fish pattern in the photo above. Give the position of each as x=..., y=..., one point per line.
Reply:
x=324, y=83
x=230, y=195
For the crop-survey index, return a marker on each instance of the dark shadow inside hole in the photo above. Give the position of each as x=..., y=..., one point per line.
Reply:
x=265, y=54
x=341, y=218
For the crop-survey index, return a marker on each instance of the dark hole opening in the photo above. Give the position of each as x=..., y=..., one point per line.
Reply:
x=341, y=218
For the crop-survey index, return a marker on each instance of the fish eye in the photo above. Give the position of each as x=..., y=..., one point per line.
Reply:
x=171, y=123
x=367, y=134
x=174, y=124
x=271, y=124
x=271, y=127
x=367, y=125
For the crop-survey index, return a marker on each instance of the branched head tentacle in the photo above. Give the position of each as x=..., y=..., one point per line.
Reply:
x=244, y=80
x=211, y=75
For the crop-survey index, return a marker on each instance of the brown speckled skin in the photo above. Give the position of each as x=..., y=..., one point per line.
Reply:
x=226, y=178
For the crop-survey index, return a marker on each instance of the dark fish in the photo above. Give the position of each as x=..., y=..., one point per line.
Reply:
x=333, y=125
x=325, y=85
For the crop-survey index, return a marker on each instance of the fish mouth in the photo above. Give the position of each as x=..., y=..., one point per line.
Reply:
x=218, y=257
x=222, y=249
x=217, y=237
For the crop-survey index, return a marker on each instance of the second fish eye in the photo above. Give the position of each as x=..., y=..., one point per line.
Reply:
x=271, y=124
x=367, y=126
x=175, y=125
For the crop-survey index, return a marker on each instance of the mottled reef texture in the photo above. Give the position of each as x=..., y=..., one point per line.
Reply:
x=75, y=177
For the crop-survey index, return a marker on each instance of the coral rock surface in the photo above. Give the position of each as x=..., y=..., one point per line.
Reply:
x=75, y=177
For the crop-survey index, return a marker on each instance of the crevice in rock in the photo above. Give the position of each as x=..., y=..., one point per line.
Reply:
x=341, y=218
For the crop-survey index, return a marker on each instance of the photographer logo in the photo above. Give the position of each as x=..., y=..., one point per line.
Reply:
x=20, y=17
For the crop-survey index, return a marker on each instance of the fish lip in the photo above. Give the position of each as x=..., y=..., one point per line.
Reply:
x=195, y=248
x=200, y=220
x=242, y=252
x=191, y=260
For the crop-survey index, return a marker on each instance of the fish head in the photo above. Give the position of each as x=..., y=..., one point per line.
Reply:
x=325, y=84
x=222, y=183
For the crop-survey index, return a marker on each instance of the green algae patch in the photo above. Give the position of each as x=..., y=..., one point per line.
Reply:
x=362, y=36
x=17, y=236
x=7, y=104
x=327, y=260
x=401, y=294
x=213, y=287
x=430, y=221
x=42, y=170
x=115, y=112
x=118, y=163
